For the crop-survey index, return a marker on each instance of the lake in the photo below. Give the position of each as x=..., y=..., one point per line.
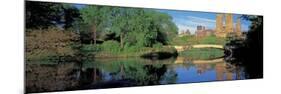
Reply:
x=124, y=72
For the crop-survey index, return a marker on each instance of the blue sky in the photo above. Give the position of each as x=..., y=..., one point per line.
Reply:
x=189, y=20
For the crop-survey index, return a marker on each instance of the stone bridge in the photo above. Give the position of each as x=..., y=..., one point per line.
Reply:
x=182, y=48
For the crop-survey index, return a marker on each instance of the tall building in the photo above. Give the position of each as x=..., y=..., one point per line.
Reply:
x=219, y=23
x=238, y=25
x=228, y=23
x=200, y=27
x=225, y=25
x=202, y=31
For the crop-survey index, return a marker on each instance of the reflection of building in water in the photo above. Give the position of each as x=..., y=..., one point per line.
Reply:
x=201, y=68
x=225, y=71
x=221, y=68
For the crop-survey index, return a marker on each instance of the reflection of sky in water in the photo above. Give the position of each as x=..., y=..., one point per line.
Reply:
x=187, y=73
x=108, y=73
x=106, y=76
x=191, y=75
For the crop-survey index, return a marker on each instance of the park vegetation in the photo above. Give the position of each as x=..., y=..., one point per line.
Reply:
x=57, y=30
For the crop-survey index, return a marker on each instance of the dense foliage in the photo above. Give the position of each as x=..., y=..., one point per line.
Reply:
x=98, y=30
x=43, y=15
x=48, y=43
x=129, y=26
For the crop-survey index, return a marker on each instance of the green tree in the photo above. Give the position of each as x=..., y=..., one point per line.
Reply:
x=159, y=27
x=132, y=26
x=44, y=15
x=125, y=20
x=152, y=26
x=96, y=18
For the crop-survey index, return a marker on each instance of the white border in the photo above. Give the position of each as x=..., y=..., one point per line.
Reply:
x=226, y=6
x=11, y=51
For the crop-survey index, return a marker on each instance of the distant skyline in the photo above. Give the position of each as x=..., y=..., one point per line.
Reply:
x=190, y=20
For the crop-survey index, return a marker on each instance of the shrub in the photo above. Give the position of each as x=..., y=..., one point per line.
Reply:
x=91, y=48
x=46, y=43
x=111, y=46
x=158, y=45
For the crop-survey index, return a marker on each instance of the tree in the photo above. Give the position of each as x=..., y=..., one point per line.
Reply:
x=124, y=21
x=145, y=27
x=254, y=49
x=250, y=54
x=96, y=18
x=152, y=26
x=71, y=16
x=44, y=15
x=160, y=27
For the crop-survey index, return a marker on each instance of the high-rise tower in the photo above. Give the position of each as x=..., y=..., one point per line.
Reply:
x=219, y=23
x=225, y=25
x=228, y=23
x=238, y=25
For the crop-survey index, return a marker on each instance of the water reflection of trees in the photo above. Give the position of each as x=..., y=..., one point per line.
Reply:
x=133, y=72
x=40, y=77
x=93, y=74
x=110, y=73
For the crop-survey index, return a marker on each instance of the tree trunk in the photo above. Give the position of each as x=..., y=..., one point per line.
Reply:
x=94, y=34
x=121, y=40
x=122, y=72
x=95, y=74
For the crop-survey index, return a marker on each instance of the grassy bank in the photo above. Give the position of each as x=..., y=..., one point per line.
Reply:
x=113, y=49
x=59, y=45
x=191, y=40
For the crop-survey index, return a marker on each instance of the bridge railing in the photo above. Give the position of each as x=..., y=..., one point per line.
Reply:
x=208, y=46
x=182, y=48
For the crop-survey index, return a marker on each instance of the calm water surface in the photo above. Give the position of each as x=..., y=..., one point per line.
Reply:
x=122, y=72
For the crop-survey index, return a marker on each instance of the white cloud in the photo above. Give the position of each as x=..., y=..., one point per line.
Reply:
x=195, y=21
x=199, y=19
x=191, y=22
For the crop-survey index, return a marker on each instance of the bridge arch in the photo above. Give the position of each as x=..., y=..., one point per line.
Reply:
x=182, y=48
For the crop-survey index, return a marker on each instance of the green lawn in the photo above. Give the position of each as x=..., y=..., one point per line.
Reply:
x=191, y=40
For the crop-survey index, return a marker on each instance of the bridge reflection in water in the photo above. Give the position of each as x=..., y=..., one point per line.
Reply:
x=207, y=70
